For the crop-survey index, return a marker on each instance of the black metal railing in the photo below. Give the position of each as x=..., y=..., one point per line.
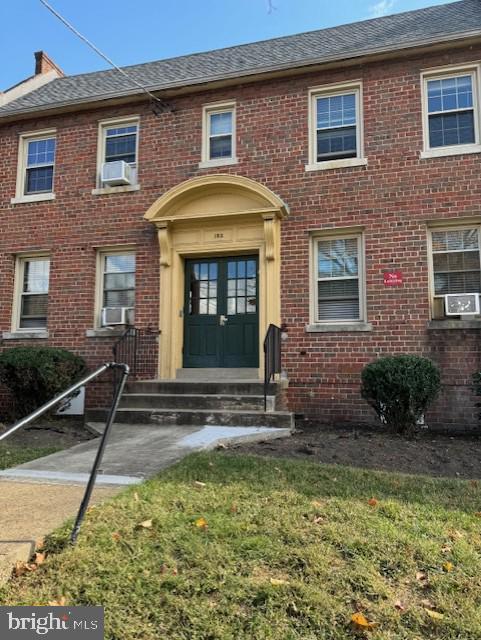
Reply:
x=138, y=349
x=272, y=357
x=65, y=395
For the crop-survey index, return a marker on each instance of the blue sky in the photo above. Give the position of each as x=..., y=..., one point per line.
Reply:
x=141, y=30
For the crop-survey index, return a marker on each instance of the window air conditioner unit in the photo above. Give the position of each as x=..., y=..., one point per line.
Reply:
x=117, y=315
x=115, y=174
x=461, y=304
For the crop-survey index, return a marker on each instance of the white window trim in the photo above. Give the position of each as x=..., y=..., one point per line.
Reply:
x=102, y=253
x=103, y=125
x=333, y=90
x=440, y=74
x=432, y=295
x=18, y=291
x=207, y=111
x=320, y=325
x=24, y=139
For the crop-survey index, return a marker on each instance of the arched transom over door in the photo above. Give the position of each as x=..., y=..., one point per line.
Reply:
x=208, y=228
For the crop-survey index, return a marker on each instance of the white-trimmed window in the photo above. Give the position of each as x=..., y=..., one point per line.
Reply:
x=31, y=304
x=451, y=112
x=36, y=166
x=117, y=283
x=338, y=275
x=455, y=264
x=219, y=135
x=119, y=141
x=335, y=127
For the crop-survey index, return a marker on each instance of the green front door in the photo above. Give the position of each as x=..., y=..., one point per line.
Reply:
x=221, y=321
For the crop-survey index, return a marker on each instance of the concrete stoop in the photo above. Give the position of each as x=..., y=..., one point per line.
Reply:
x=236, y=403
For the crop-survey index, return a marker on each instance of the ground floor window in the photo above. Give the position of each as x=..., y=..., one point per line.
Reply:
x=456, y=265
x=32, y=302
x=117, y=284
x=338, y=279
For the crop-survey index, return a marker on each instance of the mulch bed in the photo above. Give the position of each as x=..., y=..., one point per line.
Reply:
x=56, y=432
x=428, y=453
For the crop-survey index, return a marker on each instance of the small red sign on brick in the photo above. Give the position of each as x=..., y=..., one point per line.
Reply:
x=393, y=278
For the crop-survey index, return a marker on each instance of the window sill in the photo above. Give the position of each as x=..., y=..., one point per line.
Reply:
x=24, y=335
x=35, y=197
x=219, y=162
x=332, y=327
x=105, y=332
x=336, y=164
x=436, y=325
x=103, y=191
x=451, y=151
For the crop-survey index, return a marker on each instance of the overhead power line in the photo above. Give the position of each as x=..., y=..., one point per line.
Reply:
x=158, y=105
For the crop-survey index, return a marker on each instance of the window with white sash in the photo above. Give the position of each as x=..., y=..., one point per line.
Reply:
x=338, y=279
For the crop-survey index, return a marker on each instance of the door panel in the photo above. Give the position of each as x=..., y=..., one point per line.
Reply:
x=221, y=321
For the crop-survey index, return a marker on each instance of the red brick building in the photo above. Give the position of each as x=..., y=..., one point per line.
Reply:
x=327, y=182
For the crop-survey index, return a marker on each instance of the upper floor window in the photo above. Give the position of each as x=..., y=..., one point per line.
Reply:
x=36, y=167
x=338, y=279
x=31, y=306
x=335, y=127
x=456, y=264
x=219, y=138
x=118, y=153
x=451, y=117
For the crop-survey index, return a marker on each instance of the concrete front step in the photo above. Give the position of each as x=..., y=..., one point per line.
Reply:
x=174, y=387
x=217, y=374
x=190, y=417
x=195, y=401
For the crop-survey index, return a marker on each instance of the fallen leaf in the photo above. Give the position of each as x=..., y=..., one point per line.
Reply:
x=278, y=581
x=456, y=535
x=421, y=576
x=201, y=523
x=448, y=567
x=446, y=548
x=58, y=603
x=39, y=544
x=317, y=504
x=233, y=508
x=474, y=483
x=361, y=623
x=427, y=604
x=400, y=606
x=434, y=615
x=199, y=485
x=318, y=520
x=477, y=514
x=39, y=558
x=372, y=502
x=116, y=536
x=146, y=524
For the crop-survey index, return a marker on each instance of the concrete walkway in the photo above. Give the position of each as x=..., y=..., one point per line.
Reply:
x=38, y=496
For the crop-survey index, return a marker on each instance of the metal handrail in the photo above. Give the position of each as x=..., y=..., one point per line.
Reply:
x=103, y=441
x=272, y=357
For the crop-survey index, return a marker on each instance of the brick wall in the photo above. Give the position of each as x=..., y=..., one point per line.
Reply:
x=391, y=198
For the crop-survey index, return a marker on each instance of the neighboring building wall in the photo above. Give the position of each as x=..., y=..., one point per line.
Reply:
x=391, y=198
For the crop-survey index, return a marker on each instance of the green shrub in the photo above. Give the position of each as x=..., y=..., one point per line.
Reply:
x=35, y=375
x=400, y=389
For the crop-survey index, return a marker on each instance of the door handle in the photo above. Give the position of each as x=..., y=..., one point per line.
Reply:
x=223, y=320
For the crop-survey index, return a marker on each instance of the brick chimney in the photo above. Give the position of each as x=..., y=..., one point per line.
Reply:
x=43, y=64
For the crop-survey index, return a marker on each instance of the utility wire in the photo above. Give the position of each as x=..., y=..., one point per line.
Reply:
x=157, y=102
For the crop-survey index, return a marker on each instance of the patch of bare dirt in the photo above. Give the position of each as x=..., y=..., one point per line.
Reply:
x=55, y=432
x=428, y=453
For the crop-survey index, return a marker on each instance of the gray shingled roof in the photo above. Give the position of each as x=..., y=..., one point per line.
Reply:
x=443, y=22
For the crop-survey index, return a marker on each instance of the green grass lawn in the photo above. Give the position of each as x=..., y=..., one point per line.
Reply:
x=289, y=550
x=11, y=455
